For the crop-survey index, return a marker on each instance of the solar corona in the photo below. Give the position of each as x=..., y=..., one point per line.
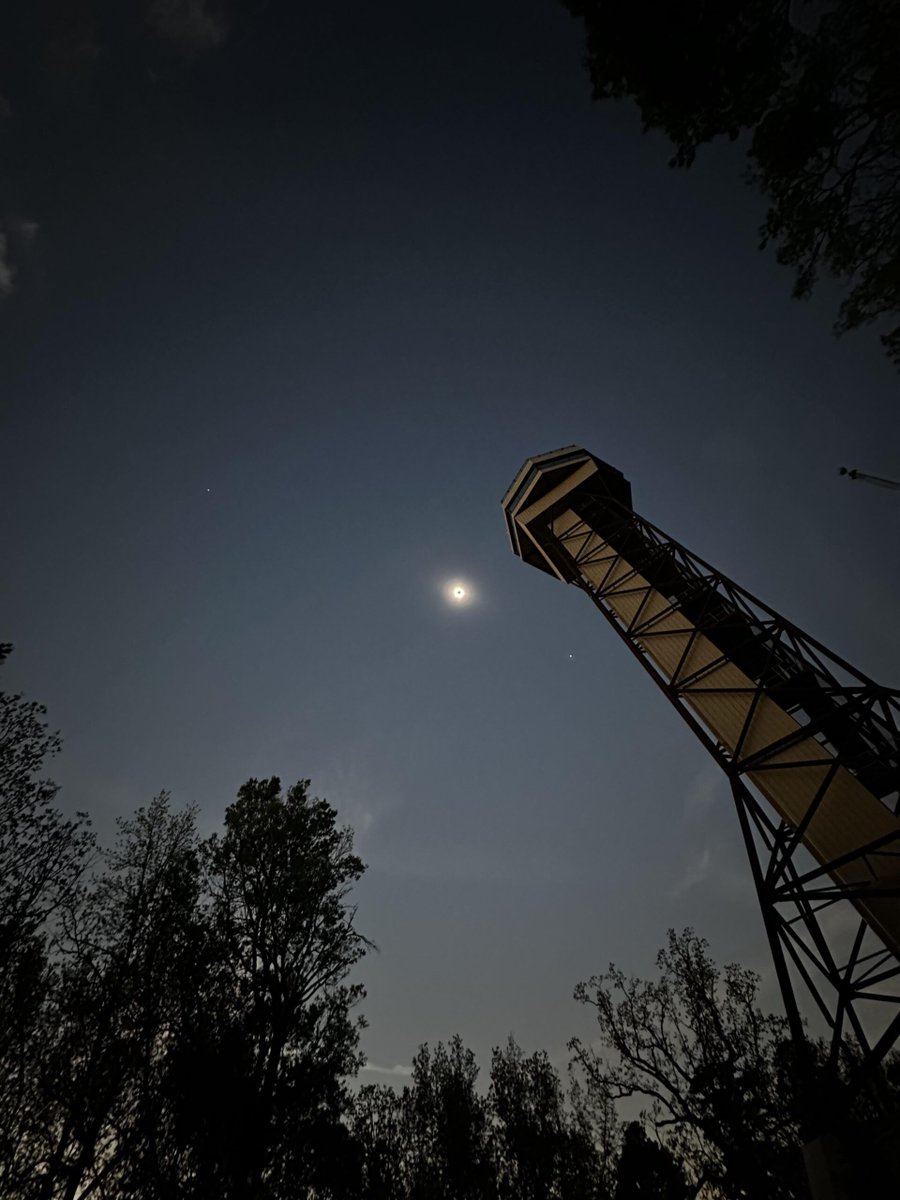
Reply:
x=458, y=592
x=809, y=744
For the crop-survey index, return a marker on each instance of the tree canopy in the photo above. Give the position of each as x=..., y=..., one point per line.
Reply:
x=179, y=1019
x=694, y=1045
x=442, y=1138
x=816, y=91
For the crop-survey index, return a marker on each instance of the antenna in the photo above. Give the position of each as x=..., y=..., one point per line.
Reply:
x=878, y=480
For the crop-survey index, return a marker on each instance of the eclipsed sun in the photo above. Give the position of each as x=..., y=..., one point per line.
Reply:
x=458, y=593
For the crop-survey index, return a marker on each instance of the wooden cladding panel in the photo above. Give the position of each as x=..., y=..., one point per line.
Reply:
x=848, y=816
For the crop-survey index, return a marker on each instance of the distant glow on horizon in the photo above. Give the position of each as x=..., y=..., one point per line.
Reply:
x=459, y=593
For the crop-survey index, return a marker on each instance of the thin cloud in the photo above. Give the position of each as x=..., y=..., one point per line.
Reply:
x=398, y=1070
x=16, y=235
x=190, y=25
x=696, y=873
x=345, y=785
x=7, y=270
x=703, y=792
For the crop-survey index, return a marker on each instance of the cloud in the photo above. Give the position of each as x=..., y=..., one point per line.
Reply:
x=695, y=873
x=704, y=791
x=7, y=270
x=15, y=237
x=345, y=785
x=190, y=25
x=471, y=862
x=399, y=1069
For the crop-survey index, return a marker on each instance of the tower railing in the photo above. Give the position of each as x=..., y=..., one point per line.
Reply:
x=806, y=741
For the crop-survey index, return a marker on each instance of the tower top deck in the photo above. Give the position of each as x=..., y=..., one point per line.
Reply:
x=544, y=481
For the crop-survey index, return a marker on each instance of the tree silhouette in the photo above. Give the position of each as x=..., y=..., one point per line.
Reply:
x=194, y=1028
x=447, y=1126
x=179, y=1023
x=646, y=1169
x=542, y=1147
x=42, y=857
x=279, y=1014
x=817, y=91
x=695, y=1045
x=383, y=1148
x=111, y=1016
x=443, y=1139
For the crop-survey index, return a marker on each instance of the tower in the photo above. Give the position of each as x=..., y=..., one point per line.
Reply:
x=810, y=745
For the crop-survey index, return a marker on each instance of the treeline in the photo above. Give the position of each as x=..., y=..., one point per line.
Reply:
x=177, y=1019
x=715, y=1077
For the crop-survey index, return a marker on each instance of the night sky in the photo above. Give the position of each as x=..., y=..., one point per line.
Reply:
x=289, y=294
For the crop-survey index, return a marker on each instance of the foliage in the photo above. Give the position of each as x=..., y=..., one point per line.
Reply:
x=544, y=1146
x=279, y=879
x=442, y=1139
x=446, y=1124
x=126, y=941
x=41, y=854
x=695, y=1045
x=42, y=857
x=647, y=1168
x=195, y=1029
x=178, y=1022
x=817, y=91
x=379, y=1132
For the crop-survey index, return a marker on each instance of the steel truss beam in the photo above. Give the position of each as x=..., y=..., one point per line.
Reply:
x=820, y=941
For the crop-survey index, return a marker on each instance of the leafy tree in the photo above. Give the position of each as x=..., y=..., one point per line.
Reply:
x=126, y=944
x=196, y=1029
x=595, y=1117
x=377, y=1124
x=527, y=1102
x=446, y=1126
x=542, y=1147
x=42, y=857
x=695, y=1045
x=432, y=1140
x=441, y=1139
x=647, y=1169
x=268, y=1051
x=817, y=91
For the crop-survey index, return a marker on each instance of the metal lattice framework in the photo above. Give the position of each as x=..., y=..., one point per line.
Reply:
x=810, y=745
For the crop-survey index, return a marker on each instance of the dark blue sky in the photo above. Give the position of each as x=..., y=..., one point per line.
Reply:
x=306, y=289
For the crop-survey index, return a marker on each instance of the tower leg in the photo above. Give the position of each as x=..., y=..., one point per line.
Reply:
x=828, y=1169
x=862, y=1163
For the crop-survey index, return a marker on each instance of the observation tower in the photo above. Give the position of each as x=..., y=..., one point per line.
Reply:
x=809, y=744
